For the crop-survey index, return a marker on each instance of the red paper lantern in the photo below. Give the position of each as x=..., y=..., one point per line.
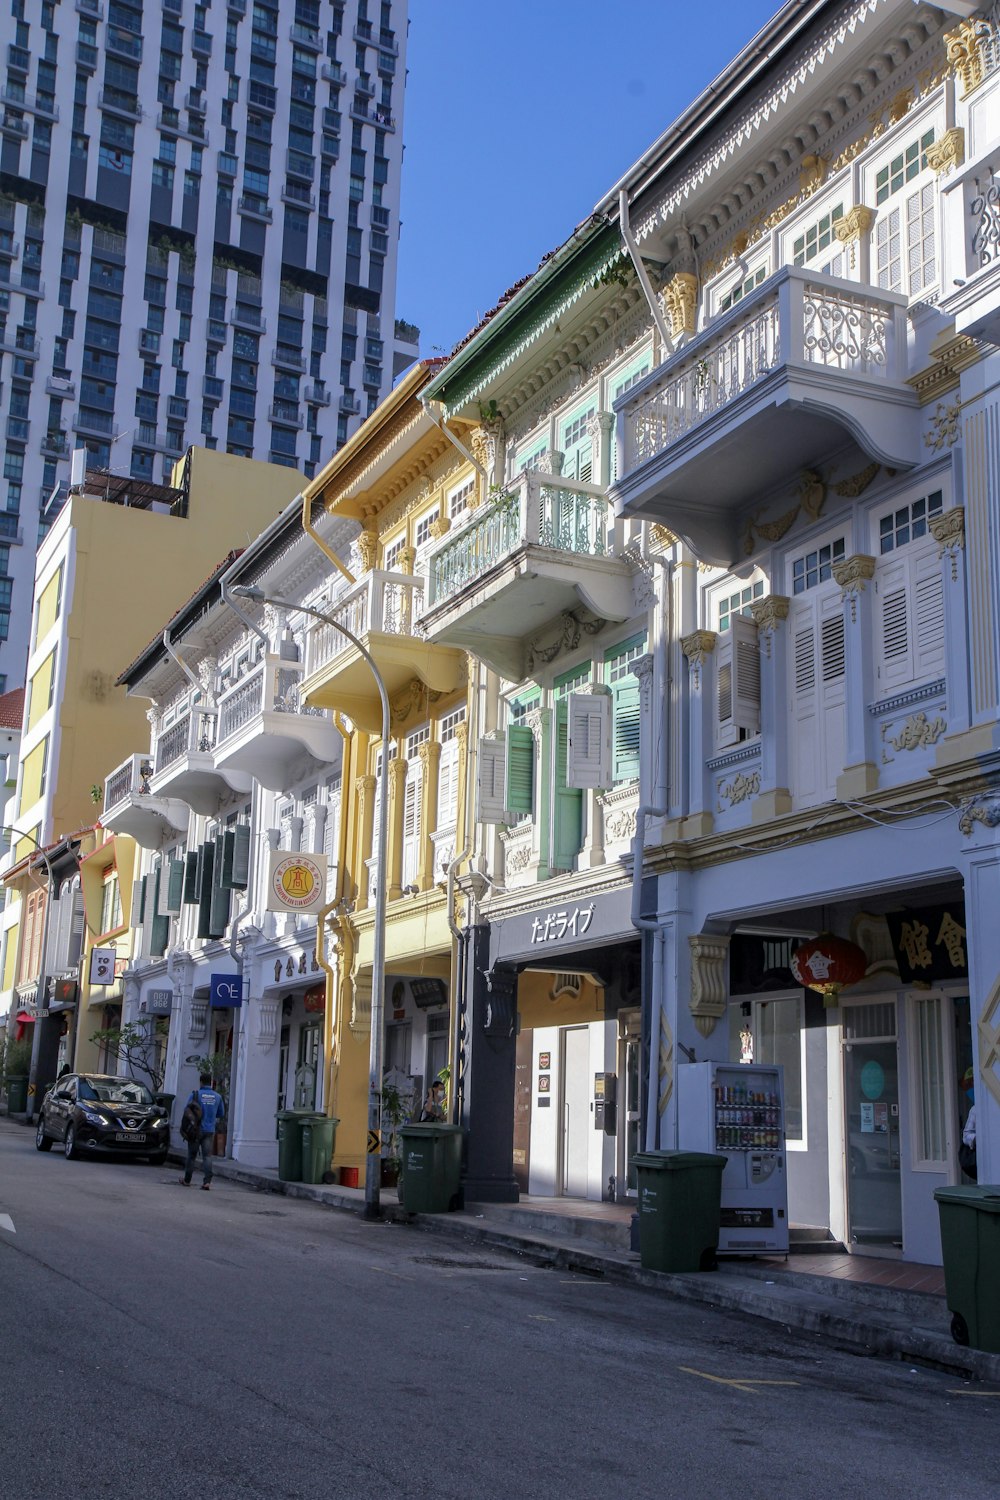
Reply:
x=829, y=964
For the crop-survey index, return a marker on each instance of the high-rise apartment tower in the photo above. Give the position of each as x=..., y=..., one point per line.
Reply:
x=199, y=213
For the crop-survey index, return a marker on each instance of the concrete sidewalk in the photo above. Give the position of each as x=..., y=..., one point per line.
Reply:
x=865, y=1317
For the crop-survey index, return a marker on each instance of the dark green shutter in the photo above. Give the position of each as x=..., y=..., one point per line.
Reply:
x=224, y=845
x=568, y=817
x=159, y=927
x=241, y=857
x=218, y=919
x=206, y=867
x=518, y=793
x=175, y=886
x=191, y=878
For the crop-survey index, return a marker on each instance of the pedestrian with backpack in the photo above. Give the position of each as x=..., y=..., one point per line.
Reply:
x=203, y=1111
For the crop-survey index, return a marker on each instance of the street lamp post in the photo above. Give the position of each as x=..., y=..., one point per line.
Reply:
x=373, y=1208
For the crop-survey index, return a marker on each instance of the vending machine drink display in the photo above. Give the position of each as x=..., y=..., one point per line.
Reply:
x=740, y=1111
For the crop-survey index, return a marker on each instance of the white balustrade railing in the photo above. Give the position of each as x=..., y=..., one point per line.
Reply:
x=537, y=510
x=129, y=779
x=271, y=686
x=794, y=320
x=191, y=733
x=387, y=603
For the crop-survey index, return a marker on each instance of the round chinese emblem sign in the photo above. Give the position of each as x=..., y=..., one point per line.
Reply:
x=297, y=882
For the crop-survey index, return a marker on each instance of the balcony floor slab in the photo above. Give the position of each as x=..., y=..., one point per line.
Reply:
x=346, y=683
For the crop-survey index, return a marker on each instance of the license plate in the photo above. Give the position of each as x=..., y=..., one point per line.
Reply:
x=130, y=1136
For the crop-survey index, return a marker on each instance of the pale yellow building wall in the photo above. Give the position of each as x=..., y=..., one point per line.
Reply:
x=132, y=570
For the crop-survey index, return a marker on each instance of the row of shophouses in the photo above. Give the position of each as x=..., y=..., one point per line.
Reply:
x=683, y=577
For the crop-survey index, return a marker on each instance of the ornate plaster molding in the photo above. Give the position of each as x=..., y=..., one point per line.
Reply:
x=770, y=612
x=698, y=645
x=852, y=574
x=915, y=733
x=855, y=226
x=984, y=809
x=947, y=152
x=680, y=297
x=948, y=530
x=950, y=355
x=944, y=426
x=367, y=545
x=708, y=980
x=856, y=484
x=741, y=788
x=964, y=51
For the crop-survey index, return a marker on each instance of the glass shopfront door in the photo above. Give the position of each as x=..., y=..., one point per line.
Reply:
x=871, y=1103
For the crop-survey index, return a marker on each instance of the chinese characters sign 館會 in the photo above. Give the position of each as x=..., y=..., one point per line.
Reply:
x=929, y=942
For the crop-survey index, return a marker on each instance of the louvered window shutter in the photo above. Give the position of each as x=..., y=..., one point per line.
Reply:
x=220, y=897
x=520, y=780
x=831, y=637
x=191, y=877
x=910, y=619
x=206, y=868
x=76, y=932
x=895, y=661
x=447, y=803
x=928, y=612
x=490, y=787
x=626, y=730
x=746, y=674
x=159, y=930
x=138, y=895
x=240, y=874
x=175, y=888
x=568, y=802
x=725, y=727
x=411, y=822
x=589, y=755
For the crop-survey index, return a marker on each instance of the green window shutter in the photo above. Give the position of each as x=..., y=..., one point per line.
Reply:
x=240, y=877
x=218, y=919
x=191, y=878
x=175, y=887
x=159, y=927
x=567, y=821
x=625, y=729
x=206, y=868
x=519, y=790
x=225, y=846
x=142, y=909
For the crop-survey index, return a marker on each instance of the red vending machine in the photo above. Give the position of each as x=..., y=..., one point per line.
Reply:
x=739, y=1111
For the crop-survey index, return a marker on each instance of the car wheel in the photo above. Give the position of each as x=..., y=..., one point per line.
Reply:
x=69, y=1144
x=42, y=1142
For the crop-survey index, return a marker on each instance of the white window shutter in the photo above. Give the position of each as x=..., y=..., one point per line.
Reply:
x=447, y=803
x=725, y=725
x=895, y=658
x=746, y=674
x=888, y=251
x=928, y=616
x=588, y=759
x=491, y=784
x=411, y=821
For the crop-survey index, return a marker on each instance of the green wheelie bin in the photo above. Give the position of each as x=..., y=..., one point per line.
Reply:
x=290, y=1123
x=318, y=1133
x=680, y=1195
x=17, y=1096
x=431, y=1165
x=970, y=1244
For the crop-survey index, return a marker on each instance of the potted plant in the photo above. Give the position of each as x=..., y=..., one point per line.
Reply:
x=17, y=1065
x=395, y=1112
x=219, y=1065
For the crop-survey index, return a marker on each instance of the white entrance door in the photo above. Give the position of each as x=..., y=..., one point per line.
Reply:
x=576, y=1110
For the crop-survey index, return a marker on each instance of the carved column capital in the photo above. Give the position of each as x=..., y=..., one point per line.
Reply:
x=397, y=780
x=367, y=545
x=947, y=151
x=440, y=526
x=948, y=530
x=962, y=49
x=680, y=297
x=642, y=668
x=266, y=1016
x=853, y=573
x=770, y=612
x=430, y=755
x=708, y=980
x=364, y=787
x=407, y=558
x=698, y=645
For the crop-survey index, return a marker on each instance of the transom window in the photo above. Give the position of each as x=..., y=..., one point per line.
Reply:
x=448, y=727
x=637, y=373
x=393, y=553
x=817, y=237
x=618, y=666
x=739, y=292
x=739, y=603
x=422, y=533
x=908, y=522
x=417, y=738
x=459, y=499
x=908, y=164
x=572, y=682
x=517, y=708
x=574, y=431
x=816, y=567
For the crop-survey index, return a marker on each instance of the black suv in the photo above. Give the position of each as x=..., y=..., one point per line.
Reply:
x=97, y=1112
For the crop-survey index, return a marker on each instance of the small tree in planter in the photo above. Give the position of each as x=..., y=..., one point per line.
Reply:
x=220, y=1066
x=17, y=1059
x=139, y=1046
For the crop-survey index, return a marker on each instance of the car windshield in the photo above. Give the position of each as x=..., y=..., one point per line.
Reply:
x=115, y=1091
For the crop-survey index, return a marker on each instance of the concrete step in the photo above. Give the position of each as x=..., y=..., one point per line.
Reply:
x=923, y=1307
x=609, y=1234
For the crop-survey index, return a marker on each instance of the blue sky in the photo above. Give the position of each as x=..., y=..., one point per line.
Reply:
x=519, y=116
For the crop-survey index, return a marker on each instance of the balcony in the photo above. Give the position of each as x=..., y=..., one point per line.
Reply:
x=305, y=36
x=184, y=763
x=332, y=72
x=54, y=445
x=61, y=386
x=286, y=360
x=543, y=548
x=767, y=390
x=127, y=107
x=374, y=114
x=255, y=208
x=248, y=317
x=381, y=610
x=21, y=344
x=316, y=395
x=286, y=414
x=131, y=807
x=33, y=104
x=94, y=423
x=264, y=728
x=972, y=228
x=13, y=125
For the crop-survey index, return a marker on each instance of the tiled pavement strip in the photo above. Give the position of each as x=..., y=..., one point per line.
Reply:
x=877, y=1307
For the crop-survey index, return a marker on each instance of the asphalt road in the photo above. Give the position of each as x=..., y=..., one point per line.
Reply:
x=164, y=1343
